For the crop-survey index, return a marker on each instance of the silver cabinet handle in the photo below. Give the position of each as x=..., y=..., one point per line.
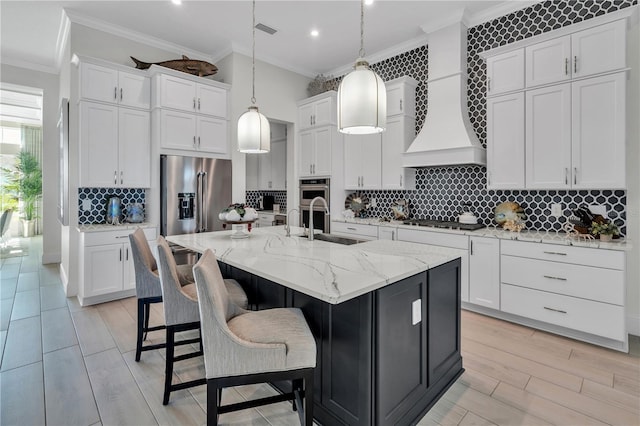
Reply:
x=115, y=177
x=488, y=84
x=314, y=168
x=566, y=176
x=351, y=229
x=121, y=177
x=555, y=252
x=575, y=175
x=400, y=104
x=194, y=103
x=122, y=236
x=400, y=181
x=120, y=93
x=554, y=278
x=488, y=178
x=393, y=235
x=575, y=64
x=115, y=93
x=566, y=66
x=198, y=104
x=555, y=310
x=194, y=141
x=311, y=120
x=310, y=168
x=120, y=255
x=198, y=141
x=126, y=251
x=471, y=247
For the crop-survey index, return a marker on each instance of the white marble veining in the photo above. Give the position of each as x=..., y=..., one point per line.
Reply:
x=548, y=237
x=103, y=227
x=328, y=271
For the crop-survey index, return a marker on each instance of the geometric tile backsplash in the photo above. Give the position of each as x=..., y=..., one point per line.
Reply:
x=99, y=198
x=441, y=191
x=279, y=197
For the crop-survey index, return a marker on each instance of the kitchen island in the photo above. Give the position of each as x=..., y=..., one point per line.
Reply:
x=385, y=316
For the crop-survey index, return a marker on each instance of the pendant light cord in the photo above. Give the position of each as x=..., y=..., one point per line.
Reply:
x=253, y=57
x=361, y=53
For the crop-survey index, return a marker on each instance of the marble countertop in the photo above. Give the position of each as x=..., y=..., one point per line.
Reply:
x=103, y=227
x=328, y=271
x=548, y=237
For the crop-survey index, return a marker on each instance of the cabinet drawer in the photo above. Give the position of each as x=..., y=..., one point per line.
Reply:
x=358, y=229
x=599, y=284
x=435, y=238
x=558, y=253
x=112, y=237
x=588, y=316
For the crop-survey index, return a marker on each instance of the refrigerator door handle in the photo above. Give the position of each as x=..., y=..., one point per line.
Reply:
x=198, y=201
x=203, y=206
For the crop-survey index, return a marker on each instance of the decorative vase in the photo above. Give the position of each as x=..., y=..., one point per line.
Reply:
x=28, y=228
x=605, y=238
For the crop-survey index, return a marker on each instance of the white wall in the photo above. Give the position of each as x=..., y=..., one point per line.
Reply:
x=277, y=93
x=633, y=179
x=49, y=85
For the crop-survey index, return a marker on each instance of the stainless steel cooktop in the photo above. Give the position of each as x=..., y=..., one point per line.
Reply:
x=447, y=224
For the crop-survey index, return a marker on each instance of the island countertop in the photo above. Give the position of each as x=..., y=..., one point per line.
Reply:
x=327, y=271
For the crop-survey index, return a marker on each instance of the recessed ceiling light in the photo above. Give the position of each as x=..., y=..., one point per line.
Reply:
x=315, y=33
x=176, y=1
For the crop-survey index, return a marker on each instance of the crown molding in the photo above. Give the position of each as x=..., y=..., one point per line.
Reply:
x=97, y=24
x=14, y=62
x=63, y=38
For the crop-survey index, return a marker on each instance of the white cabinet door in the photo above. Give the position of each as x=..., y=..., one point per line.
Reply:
x=98, y=145
x=103, y=266
x=548, y=62
x=320, y=112
x=598, y=132
x=484, y=272
x=212, y=135
x=279, y=165
x=324, y=112
x=548, y=137
x=599, y=49
x=352, y=162
x=307, y=146
x=98, y=83
x=134, y=148
x=371, y=161
x=134, y=90
x=505, y=72
x=177, y=93
x=305, y=116
x=177, y=130
x=252, y=171
x=395, y=141
x=264, y=170
x=505, y=142
x=322, y=151
x=211, y=100
x=128, y=269
x=387, y=233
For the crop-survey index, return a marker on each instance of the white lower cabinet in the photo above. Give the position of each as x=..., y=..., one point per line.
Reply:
x=360, y=231
x=265, y=219
x=106, y=265
x=387, y=233
x=581, y=290
x=484, y=272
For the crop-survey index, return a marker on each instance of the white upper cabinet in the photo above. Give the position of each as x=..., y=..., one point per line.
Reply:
x=548, y=137
x=315, y=151
x=114, y=146
x=211, y=100
x=395, y=141
x=549, y=62
x=584, y=53
x=362, y=161
x=401, y=96
x=505, y=146
x=505, y=72
x=105, y=84
x=187, y=95
x=598, y=132
x=319, y=110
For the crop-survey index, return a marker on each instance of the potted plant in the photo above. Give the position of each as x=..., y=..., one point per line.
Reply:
x=605, y=230
x=25, y=181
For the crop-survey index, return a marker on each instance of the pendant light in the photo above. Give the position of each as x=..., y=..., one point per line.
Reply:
x=254, y=136
x=362, y=96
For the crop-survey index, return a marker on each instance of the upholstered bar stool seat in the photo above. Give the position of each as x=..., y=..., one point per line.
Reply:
x=181, y=313
x=245, y=347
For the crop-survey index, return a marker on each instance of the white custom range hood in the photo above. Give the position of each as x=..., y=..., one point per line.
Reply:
x=447, y=136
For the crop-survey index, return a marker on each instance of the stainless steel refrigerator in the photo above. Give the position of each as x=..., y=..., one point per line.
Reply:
x=193, y=191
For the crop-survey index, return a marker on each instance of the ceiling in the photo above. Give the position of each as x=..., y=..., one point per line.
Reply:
x=211, y=30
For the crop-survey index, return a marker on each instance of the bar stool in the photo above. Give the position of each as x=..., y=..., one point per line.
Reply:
x=245, y=347
x=148, y=289
x=181, y=314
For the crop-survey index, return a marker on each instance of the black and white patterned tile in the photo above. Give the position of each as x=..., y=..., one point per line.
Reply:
x=441, y=191
x=99, y=198
x=279, y=197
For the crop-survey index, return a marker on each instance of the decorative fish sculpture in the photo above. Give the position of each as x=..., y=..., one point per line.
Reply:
x=190, y=66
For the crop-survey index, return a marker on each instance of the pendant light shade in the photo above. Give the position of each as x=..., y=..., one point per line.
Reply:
x=254, y=135
x=362, y=96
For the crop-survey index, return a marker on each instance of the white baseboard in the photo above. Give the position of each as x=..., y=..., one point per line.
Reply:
x=633, y=324
x=51, y=258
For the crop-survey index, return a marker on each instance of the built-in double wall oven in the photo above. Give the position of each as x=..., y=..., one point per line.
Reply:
x=309, y=189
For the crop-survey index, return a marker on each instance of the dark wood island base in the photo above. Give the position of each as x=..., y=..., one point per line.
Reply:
x=385, y=357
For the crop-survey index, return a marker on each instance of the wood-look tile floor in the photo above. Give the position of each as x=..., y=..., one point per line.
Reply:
x=63, y=364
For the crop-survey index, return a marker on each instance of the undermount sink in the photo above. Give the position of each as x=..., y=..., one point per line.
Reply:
x=335, y=239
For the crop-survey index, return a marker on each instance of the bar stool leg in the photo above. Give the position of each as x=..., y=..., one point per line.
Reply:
x=168, y=372
x=140, y=329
